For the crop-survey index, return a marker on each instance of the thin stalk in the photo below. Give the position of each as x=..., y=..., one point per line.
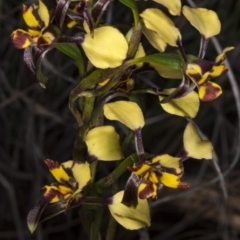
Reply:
x=112, y=224
x=203, y=47
x=139, y=145
x=127, y=141
x=95, y=227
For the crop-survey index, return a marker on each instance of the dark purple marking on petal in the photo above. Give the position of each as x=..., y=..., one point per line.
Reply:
x=147, y=191
x=91, y=159
x=205, y=65
x=51, y=194
x=211, y=93
x=35, y=214
x=51, y=164
x=98, y=9
x=181, y=91
x=19, y=38
x=203, y=46
x=130, y=197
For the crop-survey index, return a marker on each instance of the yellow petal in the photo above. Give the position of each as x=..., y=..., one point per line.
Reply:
x=53, y=194
x=153, y=38
x=130, y=218
x=209, y=91
x=34, y=33
x=128, y=113
x=204, y=78
x=204, y=20
x=221, y=57
x=218, y=71
x=186, y=106
x=193, y=69
x=174, y=6
x=147, y=190
x=170, y=162
x=107, y=49
x=194, y=146
x=172, y=181
x=43, y=13
x=57, y=171
x=103, y=143
x=21, y=39
x=155, y=20
x=140, y=169
x=28, y=17
x=48, y=37
x=153, y=177
x=167, y=72
x=80, y=172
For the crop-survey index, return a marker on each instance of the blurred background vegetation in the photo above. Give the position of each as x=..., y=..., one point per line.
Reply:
x=36, y=124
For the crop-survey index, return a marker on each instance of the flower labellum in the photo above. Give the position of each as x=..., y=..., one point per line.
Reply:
x=194, y=146
x=130, y=218
x=186, y=106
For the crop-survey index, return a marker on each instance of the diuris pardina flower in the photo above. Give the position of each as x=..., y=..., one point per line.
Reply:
x=37, y=19
x=147, y=177
x=71, y=178
x=202, y=71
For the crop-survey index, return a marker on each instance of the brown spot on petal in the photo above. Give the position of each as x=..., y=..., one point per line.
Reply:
x=205, y=65
x=21, y=39
x=148, y=191
x=183, y=185
x=51, y=194
x=195, y=77
x=51, y=164
x=24, y=8
x=212, y=92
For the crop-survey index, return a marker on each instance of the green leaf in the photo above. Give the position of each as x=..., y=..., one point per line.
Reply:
x=165, y=59
x=72, y=50
x=132, y=4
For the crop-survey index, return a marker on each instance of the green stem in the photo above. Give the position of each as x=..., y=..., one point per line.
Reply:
x=136, y=18
x=127, y=141
x=93, y=168
x=95, y=233
x=112, y=177
x=112, y=224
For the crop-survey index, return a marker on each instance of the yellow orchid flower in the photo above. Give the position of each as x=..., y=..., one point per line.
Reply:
x=37, y=19
x=201, y=71
x=148, y=176
x=71, y=177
